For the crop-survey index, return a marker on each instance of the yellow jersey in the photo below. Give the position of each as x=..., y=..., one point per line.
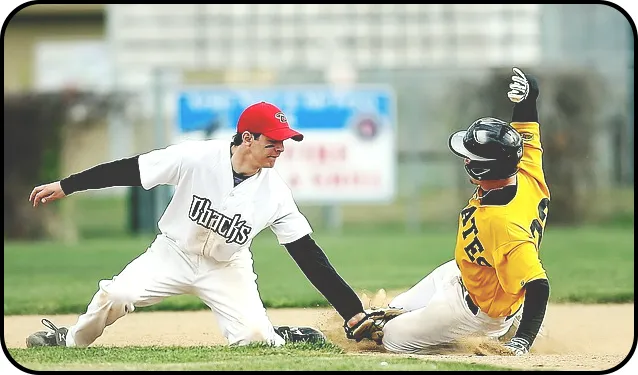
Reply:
x=499, y=234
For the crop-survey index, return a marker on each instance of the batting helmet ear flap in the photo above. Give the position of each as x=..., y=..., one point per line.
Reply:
x=491, y=170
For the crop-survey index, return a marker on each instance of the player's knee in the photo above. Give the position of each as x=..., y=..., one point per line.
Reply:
x=114, y=295
x=394, y=338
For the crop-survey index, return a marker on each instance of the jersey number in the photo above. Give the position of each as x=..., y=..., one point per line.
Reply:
x=537, y=225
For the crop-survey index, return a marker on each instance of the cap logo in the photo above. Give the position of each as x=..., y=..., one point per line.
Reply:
x=281, y=117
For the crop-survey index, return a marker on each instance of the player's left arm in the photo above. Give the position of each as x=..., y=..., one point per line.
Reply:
x=524, y=92
x=293, y=232
x=518, y=267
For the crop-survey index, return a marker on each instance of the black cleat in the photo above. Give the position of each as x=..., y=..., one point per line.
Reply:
x=300, y=334
x=45, y=338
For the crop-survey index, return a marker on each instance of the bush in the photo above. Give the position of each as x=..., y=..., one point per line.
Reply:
x=34, y=127
x=569, y=117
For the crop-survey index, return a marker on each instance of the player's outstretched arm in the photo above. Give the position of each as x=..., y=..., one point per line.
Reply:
x=122, y=172
x=314, y=263
x=359, y=324
x=523, y=92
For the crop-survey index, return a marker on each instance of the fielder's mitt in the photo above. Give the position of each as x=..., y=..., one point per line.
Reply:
x=371, y=327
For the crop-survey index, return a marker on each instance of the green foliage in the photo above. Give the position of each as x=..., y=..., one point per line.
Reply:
x=34, y=128
x=32, y=142
x=571, y=122
x=584, y=264
x=305, y=357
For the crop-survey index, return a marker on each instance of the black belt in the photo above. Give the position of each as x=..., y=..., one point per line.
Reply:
x=474, y=309
x=471, y=305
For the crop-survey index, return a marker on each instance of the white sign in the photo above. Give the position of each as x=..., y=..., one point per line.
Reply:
x=348, y=154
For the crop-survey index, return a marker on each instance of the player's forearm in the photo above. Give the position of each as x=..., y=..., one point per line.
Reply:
x=525, y=110
x=536, y=297
x=122, y=172
x=315, y=265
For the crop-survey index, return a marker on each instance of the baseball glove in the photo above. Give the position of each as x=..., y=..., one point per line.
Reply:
x=371, y=326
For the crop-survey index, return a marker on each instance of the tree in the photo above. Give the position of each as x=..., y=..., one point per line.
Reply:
x=570, y=117
x=34, y=125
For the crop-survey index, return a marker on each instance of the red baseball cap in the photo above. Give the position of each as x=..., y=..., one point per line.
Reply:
x=265, y=118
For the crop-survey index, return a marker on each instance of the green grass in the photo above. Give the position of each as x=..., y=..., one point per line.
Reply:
x=590, y=265
x=305, y=357
x=96, y=216
x=583, y=264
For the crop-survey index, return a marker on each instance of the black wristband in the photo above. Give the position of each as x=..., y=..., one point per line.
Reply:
x=525, y=112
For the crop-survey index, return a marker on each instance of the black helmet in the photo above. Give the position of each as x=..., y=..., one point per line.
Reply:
x=492, y=146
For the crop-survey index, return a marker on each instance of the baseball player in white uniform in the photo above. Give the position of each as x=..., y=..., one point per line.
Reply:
x=225, y=194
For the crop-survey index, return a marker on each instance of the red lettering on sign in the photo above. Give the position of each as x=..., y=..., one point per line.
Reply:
x=346, y=179
x=319, y=154
x=293, y=181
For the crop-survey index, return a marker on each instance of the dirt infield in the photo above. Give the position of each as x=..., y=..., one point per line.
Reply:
x=578, y=337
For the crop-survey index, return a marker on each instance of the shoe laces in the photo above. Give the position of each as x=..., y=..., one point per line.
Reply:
x=47, y=323
x=58, y=333
x=287, y=332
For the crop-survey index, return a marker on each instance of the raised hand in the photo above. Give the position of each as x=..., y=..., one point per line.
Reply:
x=519, y=87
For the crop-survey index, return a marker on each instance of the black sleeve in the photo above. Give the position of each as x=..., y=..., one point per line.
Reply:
x=536, y=298
x=525, y=110
x=122, y=172
x=315, y=265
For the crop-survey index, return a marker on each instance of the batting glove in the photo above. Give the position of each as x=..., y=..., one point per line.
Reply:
x=518, y=346
x=519, y=87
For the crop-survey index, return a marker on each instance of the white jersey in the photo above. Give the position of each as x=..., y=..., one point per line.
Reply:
x=207, y=215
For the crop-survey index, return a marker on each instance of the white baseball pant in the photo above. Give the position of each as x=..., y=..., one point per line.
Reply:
x=163, y=270
x=437, y=314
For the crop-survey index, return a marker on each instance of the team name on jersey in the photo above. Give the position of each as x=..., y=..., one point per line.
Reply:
x=232, y=229
x=475, y=248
